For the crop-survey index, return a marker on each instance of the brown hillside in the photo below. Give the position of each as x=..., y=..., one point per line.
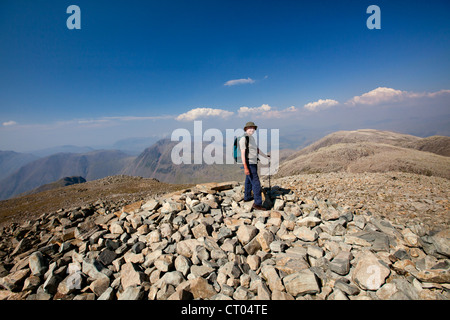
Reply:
x=114, y=189
x=371, y=151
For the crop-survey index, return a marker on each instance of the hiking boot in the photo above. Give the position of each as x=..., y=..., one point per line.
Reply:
x=247, y=200
x=256, y=207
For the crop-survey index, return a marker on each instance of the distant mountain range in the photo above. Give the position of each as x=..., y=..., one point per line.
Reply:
x=155, y=162
x=11, y=161
x=353, y=151
x=91, y=166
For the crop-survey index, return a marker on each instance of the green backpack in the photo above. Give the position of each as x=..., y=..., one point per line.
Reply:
x=237, y=150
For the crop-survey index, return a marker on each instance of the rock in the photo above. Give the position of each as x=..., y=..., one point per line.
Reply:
x=106, y=257
x=246, y=233
x=273, y=280
x=151, y=205
x=254, y=262
x=31, y=283
x=116, y=228
x=201, y=271
x=330, y=213
x=72, y=283
x=263, y=293
x=170, y=207
x=253, y=246
x=345, y=286
x=131, y=275
x=370, y=273
x=200, y=230
x=265, y=239
x=138, y=247
x=51, y=284
x=231, y=269
x=432, y=275
x=182, y=264
x=207, y=243
x=132, y=293
x=277, y=246
x=201, y=208
x=337, y=294
x=278, y=204
x=93, y=269
x=359, y=221
x=411, y=239
x=37, y=264
x=201, y=289
x=441, y=241
x=108, y=294
x=306, y=234
x=99, y=286
x=187, y=247
x=14, y=281
x=173, y=278
x=341, y=263
x=301, y=283
x=315, y=252
x=308, y=222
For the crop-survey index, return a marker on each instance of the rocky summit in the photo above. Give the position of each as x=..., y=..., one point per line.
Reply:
x=207, y=243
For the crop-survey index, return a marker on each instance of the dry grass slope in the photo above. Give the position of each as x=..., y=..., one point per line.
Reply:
x=371, y=151
x=118, y=189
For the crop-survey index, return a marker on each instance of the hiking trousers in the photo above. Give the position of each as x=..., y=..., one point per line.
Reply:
x=252, y=183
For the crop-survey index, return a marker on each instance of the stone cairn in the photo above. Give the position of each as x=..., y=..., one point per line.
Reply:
x=207, y=243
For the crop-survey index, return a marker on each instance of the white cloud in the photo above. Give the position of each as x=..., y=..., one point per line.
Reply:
x=389, y=95
x=264, y=111
x=377, y=96
x=203, y=113
x=9, y=123
x=238, y=81
x=320, y=104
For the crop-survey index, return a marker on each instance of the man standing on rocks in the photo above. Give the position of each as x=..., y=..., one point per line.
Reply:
x=249, y=154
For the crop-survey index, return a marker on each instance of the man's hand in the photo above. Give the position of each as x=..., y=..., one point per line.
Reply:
x=247, y=172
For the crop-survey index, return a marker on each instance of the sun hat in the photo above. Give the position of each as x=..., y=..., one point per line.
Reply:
x=250, y=124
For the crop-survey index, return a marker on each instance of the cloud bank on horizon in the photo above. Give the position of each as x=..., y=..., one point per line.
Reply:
x=382, y=108
x=378, y=96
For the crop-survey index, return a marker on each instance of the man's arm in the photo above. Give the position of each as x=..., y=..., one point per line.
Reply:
x=263, y=154
x=246, y=170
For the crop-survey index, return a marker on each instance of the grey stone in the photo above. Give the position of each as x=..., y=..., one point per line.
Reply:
x=441, y=241
x=173, y=278
x=108, y=294
x=37, y=264
x=301, y=283
x=138, y=247
x=344, y=285
x=306, y=234
x=132, y=293
x=106, y=257
x=131, y=275
x=370, y=273
x=201, y=208
x=246, y=233
x=93, y=268
x=341, y=263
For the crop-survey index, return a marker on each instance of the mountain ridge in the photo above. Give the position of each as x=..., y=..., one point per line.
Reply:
x=371, y=151
x=358, y=150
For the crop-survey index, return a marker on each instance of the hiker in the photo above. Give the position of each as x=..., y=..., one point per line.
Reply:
x=250, y=160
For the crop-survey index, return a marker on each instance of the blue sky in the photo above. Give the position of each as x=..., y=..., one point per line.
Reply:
x=141, y=69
